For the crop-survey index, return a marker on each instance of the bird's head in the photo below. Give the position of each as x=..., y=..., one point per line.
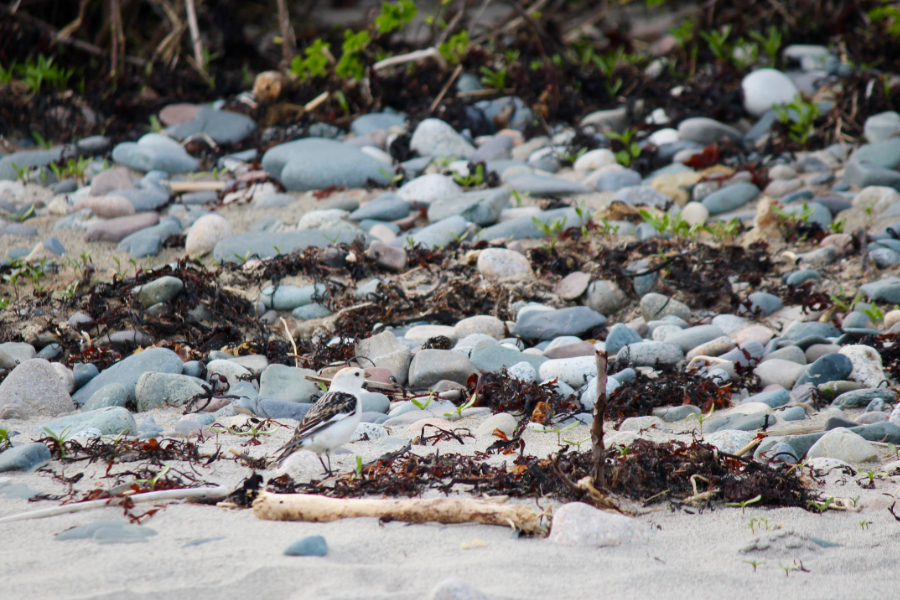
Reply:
x=351, y=379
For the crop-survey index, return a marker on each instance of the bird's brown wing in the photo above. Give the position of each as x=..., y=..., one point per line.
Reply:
x=331, y=407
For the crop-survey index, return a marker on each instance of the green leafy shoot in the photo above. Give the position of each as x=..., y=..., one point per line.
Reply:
x=701, y=418
x=802, y=121
x=395, y=15
x=472, y=179
x=494, y=79
x=745, y=503
x=770, y=43
x=459, y=409
x=350, y=66
x=423, y=405
x=455, y=48
x=631, y=149
x=60, y=439
x=314, y=63
x=718, y=41
x=684, y=33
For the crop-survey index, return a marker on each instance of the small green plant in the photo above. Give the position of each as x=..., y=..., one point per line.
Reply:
x=762, y=523
x=794, y=217
x=607, y=228
x=723, y=231
x=21, y=173
x=701, y=418
x=152, y=481
x=393, y=178
x=865, y=524
x=314, y=63
x=60, y=439
x=743, y=54
x=770, y=43
x=4, y=439
x=155, y=125
x=820, y=507
x=357, y=472
x=423, y=405
x=873, y=475
x=560, y=430
x=745, y=503
x=395, y=15
x=455, y=48
x=74, y=169
x=803, y=126
x=837, y=226
x=472, y=179
x=551, y=230
x=494, y=79
x=794, y=567
x=874, y=313
x=350, y=66
x=631, y=149
x=245, y=257
x=684, y=33
x=718, y=41
x=889, y=14
x=6, y=75
x=754, y=563
x=577, y=443
x=459, y=409
x=36, y=73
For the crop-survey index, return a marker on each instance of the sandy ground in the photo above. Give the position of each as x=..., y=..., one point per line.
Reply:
x=689, y=554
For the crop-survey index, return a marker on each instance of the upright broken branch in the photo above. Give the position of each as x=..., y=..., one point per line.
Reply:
x=288, y=41
x=194, y=28
x=598, y=449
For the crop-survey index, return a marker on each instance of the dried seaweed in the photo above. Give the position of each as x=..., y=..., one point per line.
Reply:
x=539, y=402
x=639, y=396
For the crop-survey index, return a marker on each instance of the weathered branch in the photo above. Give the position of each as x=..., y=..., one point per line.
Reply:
x=288, y=41
x=309, y=507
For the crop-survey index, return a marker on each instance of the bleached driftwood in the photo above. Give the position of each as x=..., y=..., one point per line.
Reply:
x=309, y=507
x=204, y=492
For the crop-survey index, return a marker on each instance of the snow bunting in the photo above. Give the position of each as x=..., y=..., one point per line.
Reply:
x=332, y=420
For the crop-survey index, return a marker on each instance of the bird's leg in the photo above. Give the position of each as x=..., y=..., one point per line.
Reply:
x=327, y=470
x=328, y=456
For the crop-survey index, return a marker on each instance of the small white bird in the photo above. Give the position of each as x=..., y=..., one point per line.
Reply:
x=332, y=420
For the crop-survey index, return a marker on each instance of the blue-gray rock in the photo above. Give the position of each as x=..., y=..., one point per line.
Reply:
x=268, y=244
x=33, y=387
x=156, y=390
x=310, y=312
x=376, y=121
x=613, y=181
x=107, y=532
x=129, y=370
x=162, y=289
x=887, y=290
x=857, y=320
x=436, y=235
x=730, y=197
x=289, y=297
x=690, y=338
x=496, y=148
x=544, y=185
x=802, y=276
x=831, y=367
x=84, y=372
x=482, y=207
x=671, y=414
x=884, y=257
x=657, y=306
x=375, y=402
x=799, y=196
x=317, y=163
x=781, y=452
x=146, y=242
x=834, y=204
x=885, y=154
x=764, y=303
x=19, y=229
x=313, y=545
x=155, y=152
x=642, y=195
x=50, y=351
x=546, y=325
x=525, y=227
x=387, y=207
x=650, y=354
x=224, y=127
x=29, y=159
x=762, y=127
x=66, y=186
x=864, y=397
x=794, y=413
x=26, y=457
x=706, y=131
x=431, y=366
x=865, y=174
x=740, y=422
x=620, y=336
x=273, y=408
x=55, y=246
x=876, y=405
x=113, y=394
x=109, y=421
x=773, y=398
x=800, y=330
x=148, y=195
x=495, y=357
x=434, y=137
x=820, y=214
x=287, y=383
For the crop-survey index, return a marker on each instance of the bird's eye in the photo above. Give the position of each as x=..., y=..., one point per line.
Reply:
x=357, y=374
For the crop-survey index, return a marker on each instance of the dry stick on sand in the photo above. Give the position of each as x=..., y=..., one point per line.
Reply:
x=196, y=42
x=204, y=492
x=309, y=507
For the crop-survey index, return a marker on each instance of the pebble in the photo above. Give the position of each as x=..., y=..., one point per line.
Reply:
x=156, y=390
x=481, y=207
x=579, y=524
x=115, y=230
x=505, y=422
x=729, y=440
x=431, y=366
x=867, y=367
x=730, y=198
x=113, y=394
x=503, y=264
x=33, y=388
x=690, y=338
x=317, y=164
x=484, y=324
x=155, y=152
x=830, y=367
x=656, y=306
x=287, y=383
x=649, y=354
x=313, y=545
x=112, y=420
x=605, y=297
x=26, y=457
x=842, y=444
x=780, y=372
x=129, y=370
x=706, y=131
x=106, y=207
x=159, y=290
x=495, y=357
x=764, y=88
x=433, y=137
x=575, y=371
x=205, y=233
x=546, y=325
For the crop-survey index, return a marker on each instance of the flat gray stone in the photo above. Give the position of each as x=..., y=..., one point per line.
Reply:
x=34, y=388
x=129, y=370
x=288, y=383
x=267, y=245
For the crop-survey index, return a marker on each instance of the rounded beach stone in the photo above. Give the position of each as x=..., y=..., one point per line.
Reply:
x=485, y=324
x=205, y=233
x=765, y=87
x=314, y=545
x=503, y=264
x=106, y=207
x=34, y=387
x=579, y=524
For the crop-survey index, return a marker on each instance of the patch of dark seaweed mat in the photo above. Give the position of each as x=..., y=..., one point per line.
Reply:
x=639, y=396
x=646, y=471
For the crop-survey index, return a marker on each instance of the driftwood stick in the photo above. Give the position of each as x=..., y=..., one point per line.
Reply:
x=194, y=28
x=288, y=42
x=309, y=507
x=204, y=492
x=414, y=56
x=598, y=454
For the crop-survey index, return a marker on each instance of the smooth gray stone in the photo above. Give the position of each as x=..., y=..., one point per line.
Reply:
x=546, y=325
x=650, y=354
x=113, y=394
x=273, y=408
x=431, y=366
x=613, y=181
x=159, y=290
x=730, y=198
x=375, y=402
x=794, y=413
x=620, y=336
x=318, y=163
x=706, y=131
x=84, y=372
x=865, y=174
x=544, y=185
x=520, y=115
x=436, y=235
x=314, y=545
x=791, y=353
x=835, y=422
x=774, y=398
x=690, y=338
x=30, y=159
x=129, y=370
x=884, y=257
x=199, y=198
x=263, y=244
x=376, y=121
x=495, y=357
x=800, y=330
x=887, y=290
x=26, y=457
x=642, y=195
x=387, y=207
x=289, y=297
x=18, y=491
x=287, y=383
x=55, y=246
x=156, y=390
x=310, y=312
x=496, y=148
x=804, y=275
x=740, y=422
x=830, y=367
x=860, y=398
x=525, y=227
x=373, y=417
x=110, y=421
x=224, y=127
x=884, y=154
x=672, y=414
x=764, y=304
x=155, y=152
x=482, y=207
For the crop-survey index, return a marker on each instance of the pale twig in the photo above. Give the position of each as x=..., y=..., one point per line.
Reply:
x=196, y=42
x=445, y=89
x=290, y=338
x=415, y=56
